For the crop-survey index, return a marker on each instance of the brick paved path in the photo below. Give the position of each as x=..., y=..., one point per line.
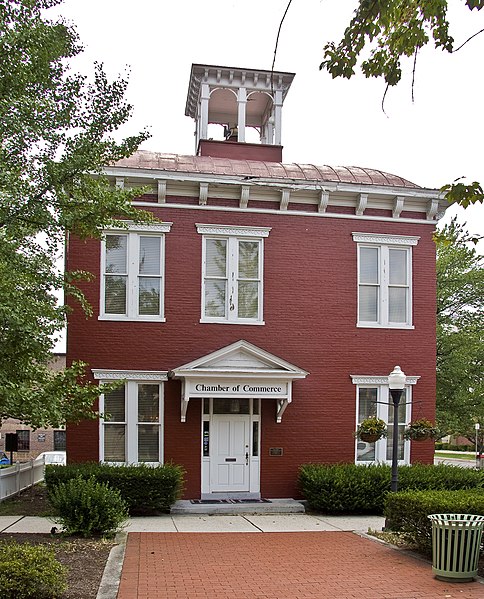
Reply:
x=327, y=565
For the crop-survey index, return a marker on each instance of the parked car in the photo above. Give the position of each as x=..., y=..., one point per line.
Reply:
x=57, y=458
x=4, y=459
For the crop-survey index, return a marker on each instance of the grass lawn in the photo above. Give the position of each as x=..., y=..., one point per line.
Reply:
x=456, y=455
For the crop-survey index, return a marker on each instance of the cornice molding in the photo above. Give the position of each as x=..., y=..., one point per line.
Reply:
x=129, y=375
x=387, y=239
x=233, y=230
x=369, y=379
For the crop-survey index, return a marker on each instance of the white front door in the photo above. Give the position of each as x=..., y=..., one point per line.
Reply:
x=229, y=455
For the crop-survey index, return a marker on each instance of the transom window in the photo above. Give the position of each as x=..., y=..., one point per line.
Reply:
x=384, y=280
x=133, y=272
x=232, y=274
x=131, y=429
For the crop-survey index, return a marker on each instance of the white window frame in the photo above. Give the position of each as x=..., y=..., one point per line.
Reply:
x=384, y=410
x=133, y=233
x=384, y=243
x=131, y=381
x=233, y=235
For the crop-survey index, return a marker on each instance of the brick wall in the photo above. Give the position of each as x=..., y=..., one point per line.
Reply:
x=310, y=295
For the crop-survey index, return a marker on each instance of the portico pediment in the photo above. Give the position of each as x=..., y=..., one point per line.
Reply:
x=238, y=370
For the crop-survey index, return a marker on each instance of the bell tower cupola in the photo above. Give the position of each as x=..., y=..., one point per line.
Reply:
x=237, y=99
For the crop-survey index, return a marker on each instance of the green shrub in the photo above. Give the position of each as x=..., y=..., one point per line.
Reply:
x=143, y=488
x=358, y=489
x=30, y=572
x=407, y=511
x=88, y=508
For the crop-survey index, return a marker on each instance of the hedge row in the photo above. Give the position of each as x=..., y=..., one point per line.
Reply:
x=408, y=511
x=355, y=489
x=143, y=488
x=452, y=447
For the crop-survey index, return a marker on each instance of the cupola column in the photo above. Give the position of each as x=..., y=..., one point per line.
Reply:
x=204, y=100
x=278, y=117
x=241, y=112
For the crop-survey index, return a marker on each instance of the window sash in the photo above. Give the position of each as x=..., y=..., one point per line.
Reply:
x=384, y=291
x=138, y=437
x=375, y=400
x=134, y=290
x=233, y=293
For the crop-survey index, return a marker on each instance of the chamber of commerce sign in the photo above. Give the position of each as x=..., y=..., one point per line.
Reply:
x=245, y=388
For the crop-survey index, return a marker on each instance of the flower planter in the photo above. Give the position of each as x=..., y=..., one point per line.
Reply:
x=370, y=437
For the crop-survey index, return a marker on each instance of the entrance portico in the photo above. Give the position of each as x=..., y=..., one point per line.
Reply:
x=231, y=383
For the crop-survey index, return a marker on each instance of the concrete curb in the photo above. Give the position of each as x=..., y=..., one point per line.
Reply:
x=108, y=589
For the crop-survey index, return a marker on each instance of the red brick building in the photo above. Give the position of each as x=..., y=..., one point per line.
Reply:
x=258, y=321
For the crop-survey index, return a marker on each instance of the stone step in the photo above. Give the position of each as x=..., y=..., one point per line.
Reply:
x=273, y=506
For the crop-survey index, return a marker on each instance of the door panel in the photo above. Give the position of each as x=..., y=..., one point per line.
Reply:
x=229, y=463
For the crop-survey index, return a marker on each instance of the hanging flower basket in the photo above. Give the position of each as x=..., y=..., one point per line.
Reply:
x=421, y=430
x=371, y=429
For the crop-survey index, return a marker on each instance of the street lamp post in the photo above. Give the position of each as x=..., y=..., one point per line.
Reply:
x=396, y=384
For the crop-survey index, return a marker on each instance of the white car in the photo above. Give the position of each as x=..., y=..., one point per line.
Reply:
x=58, y=458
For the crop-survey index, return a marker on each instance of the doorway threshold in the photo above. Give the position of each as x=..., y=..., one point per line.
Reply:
x=233, y=508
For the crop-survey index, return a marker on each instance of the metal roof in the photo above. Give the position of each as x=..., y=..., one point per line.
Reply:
x=265, y=170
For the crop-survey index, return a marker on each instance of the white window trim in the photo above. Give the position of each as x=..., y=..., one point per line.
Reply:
x=134, y=231
x=232, y=233
x=384, y=411
x=131, y=380
x=385, y=242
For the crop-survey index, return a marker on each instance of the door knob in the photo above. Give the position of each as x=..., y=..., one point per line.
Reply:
x=246, y=458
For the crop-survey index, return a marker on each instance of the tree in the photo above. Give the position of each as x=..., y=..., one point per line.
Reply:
x=460, y=334
x=390, y=30
x=56, y=133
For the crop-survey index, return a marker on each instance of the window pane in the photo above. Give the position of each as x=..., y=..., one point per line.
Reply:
x=59, y=440
x=148, y=443
x=149, y=255
x=398, y=267
x=367, y=403
x=115, y=295
x=248, y=299
x=369, y=265
x=148, y=403
x=114, y=443
x=114, y=406
x=23, y=438
x=255, y=439
x=215, y=298
x=390, y=441
x=116, y=253
x=365, y=452
x=149, y=296
x=216, y=258
x=231, y=406
x=248, y=259
x=206, y=439
x=397, y=309
x=368, y=304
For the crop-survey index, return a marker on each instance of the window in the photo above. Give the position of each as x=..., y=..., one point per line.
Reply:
x=133, y=274
x=232, y=274
x=131, y=430
x=23, y=439
x=373, y=399
x=59, y=440
x=384, y=280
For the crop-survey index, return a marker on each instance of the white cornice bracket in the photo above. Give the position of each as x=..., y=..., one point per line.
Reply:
x=161, y=191
x=360, y=208
x=323, y=201
x=432, y=208
x=398, y=206
x=285, y=195
x=244, y=196
x=120, y=182
x=203, y=194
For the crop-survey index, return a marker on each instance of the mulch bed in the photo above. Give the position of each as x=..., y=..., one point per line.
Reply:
x=84, y=558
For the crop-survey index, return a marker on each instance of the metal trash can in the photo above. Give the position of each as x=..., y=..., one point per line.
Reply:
x=456, y=543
